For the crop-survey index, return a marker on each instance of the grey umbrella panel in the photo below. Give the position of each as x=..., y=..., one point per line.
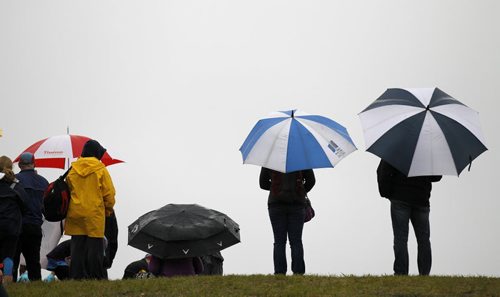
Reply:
x=183, y=230
x=423, y=132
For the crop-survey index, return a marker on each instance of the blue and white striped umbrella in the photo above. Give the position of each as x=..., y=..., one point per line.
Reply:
x=288, y=141
x=422, y=131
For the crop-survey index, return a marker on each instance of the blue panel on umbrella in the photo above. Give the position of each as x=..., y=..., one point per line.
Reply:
x=330, y=124
x=304, y=151
x=260, y=128
x=464, y=146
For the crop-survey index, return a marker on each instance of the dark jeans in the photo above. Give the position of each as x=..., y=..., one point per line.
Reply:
x=288, y=220
x=87, y=258
x=29, y=244
x=62, y=272
x=401, y=214
x=7, y=247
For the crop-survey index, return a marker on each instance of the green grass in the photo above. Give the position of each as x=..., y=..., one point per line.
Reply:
x=267, y=285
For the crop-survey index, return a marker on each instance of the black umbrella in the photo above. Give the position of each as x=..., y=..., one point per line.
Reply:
x=183, y=230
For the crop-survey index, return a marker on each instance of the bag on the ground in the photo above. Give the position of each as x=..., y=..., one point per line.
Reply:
x=310, y=213
x=56, y=199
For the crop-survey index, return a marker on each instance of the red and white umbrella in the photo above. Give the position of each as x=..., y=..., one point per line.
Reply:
x=53, y=152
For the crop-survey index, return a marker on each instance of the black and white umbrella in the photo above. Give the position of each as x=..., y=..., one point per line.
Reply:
x=183, y=230
x=422, y=131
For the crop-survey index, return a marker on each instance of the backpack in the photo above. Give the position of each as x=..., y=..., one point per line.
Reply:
x=56, y=199
x=288, y=187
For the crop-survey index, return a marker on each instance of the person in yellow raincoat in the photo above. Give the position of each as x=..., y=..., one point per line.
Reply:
x=92, y=199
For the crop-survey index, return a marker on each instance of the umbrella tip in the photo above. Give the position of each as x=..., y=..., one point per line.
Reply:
x=293, y=114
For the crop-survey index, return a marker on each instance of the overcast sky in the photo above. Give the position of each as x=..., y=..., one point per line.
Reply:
x=174, y=87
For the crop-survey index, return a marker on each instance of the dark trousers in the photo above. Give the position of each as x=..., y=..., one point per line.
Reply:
x=288, y=221
x=401, y=214
x=8, y=247
x=62, y=272
x=3, y=293
x=87, y=257
x=29, y=244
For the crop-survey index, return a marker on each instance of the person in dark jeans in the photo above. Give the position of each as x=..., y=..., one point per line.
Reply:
x=409, y=198
x=286, y=205
x=31, y=235
x=12, y=206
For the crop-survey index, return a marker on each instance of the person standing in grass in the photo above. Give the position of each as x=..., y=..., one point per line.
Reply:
x=30, y=239
x=286, y=205
x=409, y=198
x=92, y=199
x=12, y=206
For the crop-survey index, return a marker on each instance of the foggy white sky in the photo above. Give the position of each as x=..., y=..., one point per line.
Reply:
x=173, y=88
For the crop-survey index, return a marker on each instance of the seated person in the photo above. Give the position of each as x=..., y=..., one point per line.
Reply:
x=212, y=264
x=175, y=267
x=59, y=259
x=137, y=267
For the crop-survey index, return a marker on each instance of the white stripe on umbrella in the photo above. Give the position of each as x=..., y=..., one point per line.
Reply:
x=268, y=150
x=376, y=122
x=331, y=141
x=424, y=95
x=464, y=115
x=436, y=159
x=58, y=147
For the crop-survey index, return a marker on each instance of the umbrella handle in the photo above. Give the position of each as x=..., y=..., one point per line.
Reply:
x=470, y=162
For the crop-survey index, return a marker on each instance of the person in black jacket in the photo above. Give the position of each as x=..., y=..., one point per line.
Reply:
x=12, y=207
x=111, y=234
x=409, y=198
x=30, y=239
x=286, y=205
x=132, y=269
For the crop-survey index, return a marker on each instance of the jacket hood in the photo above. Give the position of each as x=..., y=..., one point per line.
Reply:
x=92, y=148
x=86, y=165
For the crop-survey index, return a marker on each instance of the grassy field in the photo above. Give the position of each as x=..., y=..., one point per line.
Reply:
x=267, y=285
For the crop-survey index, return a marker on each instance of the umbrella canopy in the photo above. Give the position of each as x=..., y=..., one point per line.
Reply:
x=183, y=230
x=53, y=152
x=288, y=141
x=422, y=131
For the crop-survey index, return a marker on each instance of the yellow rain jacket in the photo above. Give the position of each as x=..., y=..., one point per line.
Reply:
x=92, y=198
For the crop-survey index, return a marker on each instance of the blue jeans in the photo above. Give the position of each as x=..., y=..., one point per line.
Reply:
x=401, y=214
x=288, y=220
